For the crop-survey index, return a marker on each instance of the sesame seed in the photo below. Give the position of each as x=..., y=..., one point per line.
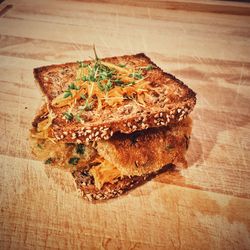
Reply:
x=129, y=124
x=161, y=115
x=97, y=133
x=73, y=136
x=65, y=132
x=88, y=131
x=78, y=141
x=162, y=123
x=155, y=121
x=111, y=133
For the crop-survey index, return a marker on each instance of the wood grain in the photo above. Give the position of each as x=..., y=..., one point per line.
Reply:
x=206, y=44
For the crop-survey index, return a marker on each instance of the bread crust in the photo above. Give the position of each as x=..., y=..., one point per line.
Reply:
x=143, y=152
x=88, y=191
x=173, y=104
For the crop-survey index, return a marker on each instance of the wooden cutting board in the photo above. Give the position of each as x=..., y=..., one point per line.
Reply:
x=207, y=45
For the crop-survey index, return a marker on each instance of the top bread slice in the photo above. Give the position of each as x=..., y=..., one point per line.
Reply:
x=168, y=101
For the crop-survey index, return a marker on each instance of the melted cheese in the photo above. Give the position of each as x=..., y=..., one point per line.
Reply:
x=103, y=173
x=113, y=97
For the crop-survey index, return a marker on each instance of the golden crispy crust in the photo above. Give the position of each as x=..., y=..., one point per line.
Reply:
x=140, y=156
x=146, y=151
x=174, y=102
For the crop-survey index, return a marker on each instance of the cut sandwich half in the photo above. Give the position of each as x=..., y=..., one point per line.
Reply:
x=128, y=160
x=91, y=100
x=114, y=122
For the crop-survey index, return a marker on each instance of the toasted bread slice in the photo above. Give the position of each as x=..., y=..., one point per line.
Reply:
x=146, y=151
x=153, y=99
x=85, y=184
x=126, y=161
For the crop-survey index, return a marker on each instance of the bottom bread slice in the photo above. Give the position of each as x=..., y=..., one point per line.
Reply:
x=85, y=183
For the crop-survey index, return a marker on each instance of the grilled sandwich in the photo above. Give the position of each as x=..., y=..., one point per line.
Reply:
x=113, y=122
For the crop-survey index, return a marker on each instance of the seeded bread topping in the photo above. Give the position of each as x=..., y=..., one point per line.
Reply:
x=91, y=100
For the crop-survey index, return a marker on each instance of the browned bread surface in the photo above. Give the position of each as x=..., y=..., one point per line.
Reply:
x=85, y=185
x=172, y=101
x=146, y=151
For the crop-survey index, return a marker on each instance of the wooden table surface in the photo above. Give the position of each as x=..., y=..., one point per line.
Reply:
x=204, y=43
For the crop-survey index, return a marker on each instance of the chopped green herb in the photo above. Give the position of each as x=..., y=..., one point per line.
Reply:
x=67, y=93
x=122, y=65
x=150, y=67
x=131, y=83
x=100, y=86
x=83, y=96
x=73, y=160
x=69, y=116
x=108, y=86
x=82, y=64
x=73, y=86
x=105, y=87
x=136, y=75
x=80, y=149
x=39, y=146
x=87, y=106
x=78, y=117
x=48, y=161
x=84, y=78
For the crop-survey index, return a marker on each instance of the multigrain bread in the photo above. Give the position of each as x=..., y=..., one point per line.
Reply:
x=128, y=160
x=167, y=101
x=115, y=123
x=86, y=188
x=146, y=151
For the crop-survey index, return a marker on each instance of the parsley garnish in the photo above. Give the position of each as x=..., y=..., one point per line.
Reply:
x=80, y=149
x=73, y=160
x=68, y=115
x=39, y=146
